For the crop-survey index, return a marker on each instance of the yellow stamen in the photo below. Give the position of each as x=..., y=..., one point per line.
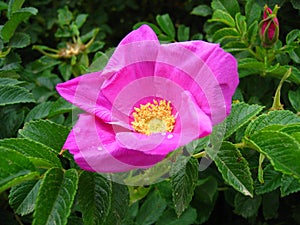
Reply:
x=153, y=117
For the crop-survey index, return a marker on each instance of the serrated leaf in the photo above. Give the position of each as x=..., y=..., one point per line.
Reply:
x=202, y=10
x=119, y=204
x=233, y=167
x=245, y=206
x=222, y=17
x=289, y=185
x=22, y=197
x=14, y=94
x=94, y=198
x=272, y=180
x=39, y=112
x=281, y=149
x=9, y=81
x=19, y=40
x=152, y=209
x=55, y=197
x=294, y=97
x=250, y=66
x=283, y=117
x=226, y=33
x=46, y=132
x=166, y=24
x=32, y=149
x=231, y=7
x=241, y=113
x=16, y=18
x=60, y=106
x=184, y=175
x=14, y=169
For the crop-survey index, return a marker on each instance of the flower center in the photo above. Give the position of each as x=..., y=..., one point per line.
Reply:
x=153, y=117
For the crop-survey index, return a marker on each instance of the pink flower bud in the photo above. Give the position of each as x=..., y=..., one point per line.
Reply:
x=269, y=27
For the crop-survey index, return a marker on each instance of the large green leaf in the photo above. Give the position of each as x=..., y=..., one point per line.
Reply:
x=32, y=149
x=280, y=148
x=233, y=167
x=22, y=197
x=14, y=5
x=94, y=198
x=46, y=132
x=14, y=169
x=14, y=94
x=289, y=185
x=39, y=112
x=283, y=117
x=184, y=175
x=241, y=113
x=19, y=40
x=222, y=17
x=55, y=197
x=250, y=66
x=166, y=24
x=152, y=209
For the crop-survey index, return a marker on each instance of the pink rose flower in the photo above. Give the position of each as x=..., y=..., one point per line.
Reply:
x=149, y=100
x=269, y=30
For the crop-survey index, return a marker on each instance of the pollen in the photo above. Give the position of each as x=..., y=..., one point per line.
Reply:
x=153, y=117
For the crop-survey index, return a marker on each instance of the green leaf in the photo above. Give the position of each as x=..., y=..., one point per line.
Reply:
x=94, y=198
x=232, y=7
x=9, y=81
x=226, y=33
x=55, y=197
x=60, y=106
x=32, y=149
x=65, y=70
x=241, y=24
x=17, y=17
x=119, y=204
x=241, y=113
x=289, y=185
x=166, y=24
x=245, y=206
x=183, y=33
x=294, y=97
x=19, y=40
x=292, y=36
x=64, y=16
x=252, y=32
x=22, y=197
x=270, y=203
x=184, y=175
x=253, y=12
x=281, y=149
x=14, y=169
x=169, y=217
x=202, y=10
x=80, y=20
x=233, y=167
x=12, y=118
x=272, y=180
x=45, y=132
x=39, y=112
x=14, y=94
x=222, y=17
x=152, y=209
x=13, y=6
x=250, y=66
x=296, y=4
x=283, y=117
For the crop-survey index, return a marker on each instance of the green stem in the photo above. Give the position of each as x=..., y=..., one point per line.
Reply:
x=260, y=169
x=199, y=155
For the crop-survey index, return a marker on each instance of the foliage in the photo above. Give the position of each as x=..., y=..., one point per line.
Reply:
x=255, y=177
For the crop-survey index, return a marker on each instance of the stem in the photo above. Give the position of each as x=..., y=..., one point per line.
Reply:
x=260, y=169
x=199, y=155
x=240, y=145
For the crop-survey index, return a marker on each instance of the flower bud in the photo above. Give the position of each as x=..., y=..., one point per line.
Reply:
x=269, y=27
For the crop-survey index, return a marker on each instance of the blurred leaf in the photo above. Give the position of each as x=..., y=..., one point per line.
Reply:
x=55, y=197
x=22, y=197
x=64, y=16
x=13, y=6
x=245, y=206
x=283, y=117
x=183, y=33
x=296, y=4
x=14, y=94
x=65, y=70
x=12, y=118
x=222, y=17
x=270, y=203
x=241, y=113
x=289, y=185
x=281, y=149
x=202, y=10
x=80, y=20
x=32, y=149
x=94, y=198
x=9, y=81
x=166, y=24
x=184, y=175
x=292, y=36
x=14, y=169
x=45, y=132
x=253, y=12
x=151, y=209
x=17, y=17
x=232, y=7
x=169, y=217
x=19, y=40
x=40, y=111
x=233, y=167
